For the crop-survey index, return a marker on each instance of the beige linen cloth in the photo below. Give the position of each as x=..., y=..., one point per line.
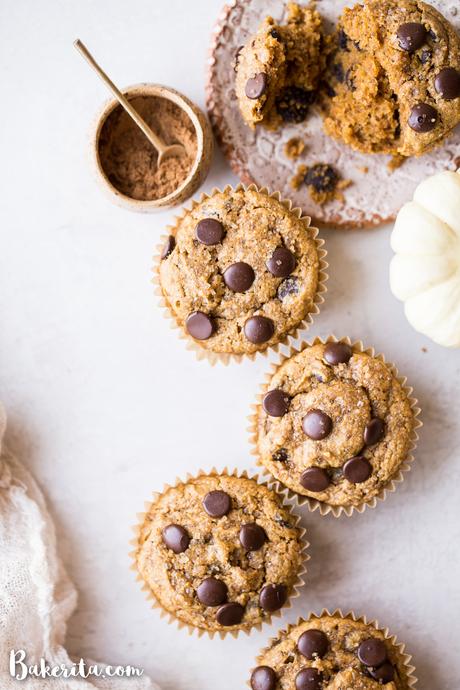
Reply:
x=36, y=595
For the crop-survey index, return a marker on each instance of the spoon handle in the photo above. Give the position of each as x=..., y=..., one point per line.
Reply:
x=151, y=136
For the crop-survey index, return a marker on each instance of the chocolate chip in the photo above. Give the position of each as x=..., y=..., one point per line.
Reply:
x=317, y=425
x=447, y=83
x=294, y=103
x=199, y=325
x=280, y=455
x=411, y=36
x=432, y=35
x=372, y=652
x=423, y=118
x=328, y=89
x=337, y=353
x=357, y=470
x=217, y=503
x=263, y=678
x=276, y=403
x=338, y=72
x=321, y=177
x=176, y=538
x=343, y=40
x=256, y=87
x=425, y=56
x=273, y=597
x=212, y=592
x=259, y=329
x=168, y=247
x=384, y=673
x=282, y=262
x=239, y=277
x=252, y=537
x=315, y=479
x=209, y=231
x=313, y=643
x=230, y=614
x=275, y=34
x=374, y=431
x=309, y=679
x=288, y=287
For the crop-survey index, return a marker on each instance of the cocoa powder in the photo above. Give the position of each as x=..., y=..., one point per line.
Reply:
x=129, y=160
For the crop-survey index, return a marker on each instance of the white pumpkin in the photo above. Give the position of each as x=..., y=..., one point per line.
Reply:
x=425, y=273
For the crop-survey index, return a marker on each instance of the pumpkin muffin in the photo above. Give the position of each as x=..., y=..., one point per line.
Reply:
x=220, y=552
x=332, y=652
x=335, y=424
x=278, y=71
x=240, y=272
x=394, y=79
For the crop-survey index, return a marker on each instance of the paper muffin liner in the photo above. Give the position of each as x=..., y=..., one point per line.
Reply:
x=399, y=647
x=314, y=504
x=200, y=350
x=172, y=618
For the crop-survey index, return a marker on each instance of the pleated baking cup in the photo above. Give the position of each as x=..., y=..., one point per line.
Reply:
x=200, y=350
x=405, y=668
x=314, y=504
x=170, y=615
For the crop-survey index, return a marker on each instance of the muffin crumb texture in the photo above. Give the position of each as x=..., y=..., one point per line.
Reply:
x=240, y=272
x=335, y=424
x=331, y=653
x=129, y=160
x=220, y=552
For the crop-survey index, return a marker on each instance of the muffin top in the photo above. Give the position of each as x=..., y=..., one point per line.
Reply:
x=241, y=271
x=278, y=70
x=220, y=552
x=331, y=653
x=396, y=78
x=335, y=424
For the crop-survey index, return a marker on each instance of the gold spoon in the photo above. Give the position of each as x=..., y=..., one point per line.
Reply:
x=163, y=150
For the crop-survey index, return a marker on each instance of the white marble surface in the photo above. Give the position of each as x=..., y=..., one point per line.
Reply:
x=104, y=402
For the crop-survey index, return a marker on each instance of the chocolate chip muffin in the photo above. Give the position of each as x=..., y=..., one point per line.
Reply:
x=241, y=271
x=332, y=652
x=278, y=70
x=394, y=79
x=335, y=424
x=220, y=552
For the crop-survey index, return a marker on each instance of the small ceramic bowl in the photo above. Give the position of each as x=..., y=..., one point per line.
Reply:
x=200, y=167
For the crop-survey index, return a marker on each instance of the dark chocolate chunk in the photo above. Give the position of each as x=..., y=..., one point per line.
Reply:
x=239, y=277
x=209, y=231
x=263, y=678
x=230, y=614
x=384, y=673
x=322, y=178
x=280, y=455
x=293, y=104
x=217, y=503
x=423, y=118
x=338, y=72
x=259, y=329
x=343, y=40
x=252, y=537
x=447, y=83
x=315, y=479
x=425, y=56
x=411, y=36
x=212, y=592
x=276, y=403
x=282, y=262
x=275, y=34
x=313, y=643
x=168, y=247
x=317, y=425
x=337, y=353
x=199, y=325
x=357, y=469
x=374, y=432
x=309, y=679
x=372, y=652
x=288, y=287
x=273, y=597
x=176, y=538
x=257, y=86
